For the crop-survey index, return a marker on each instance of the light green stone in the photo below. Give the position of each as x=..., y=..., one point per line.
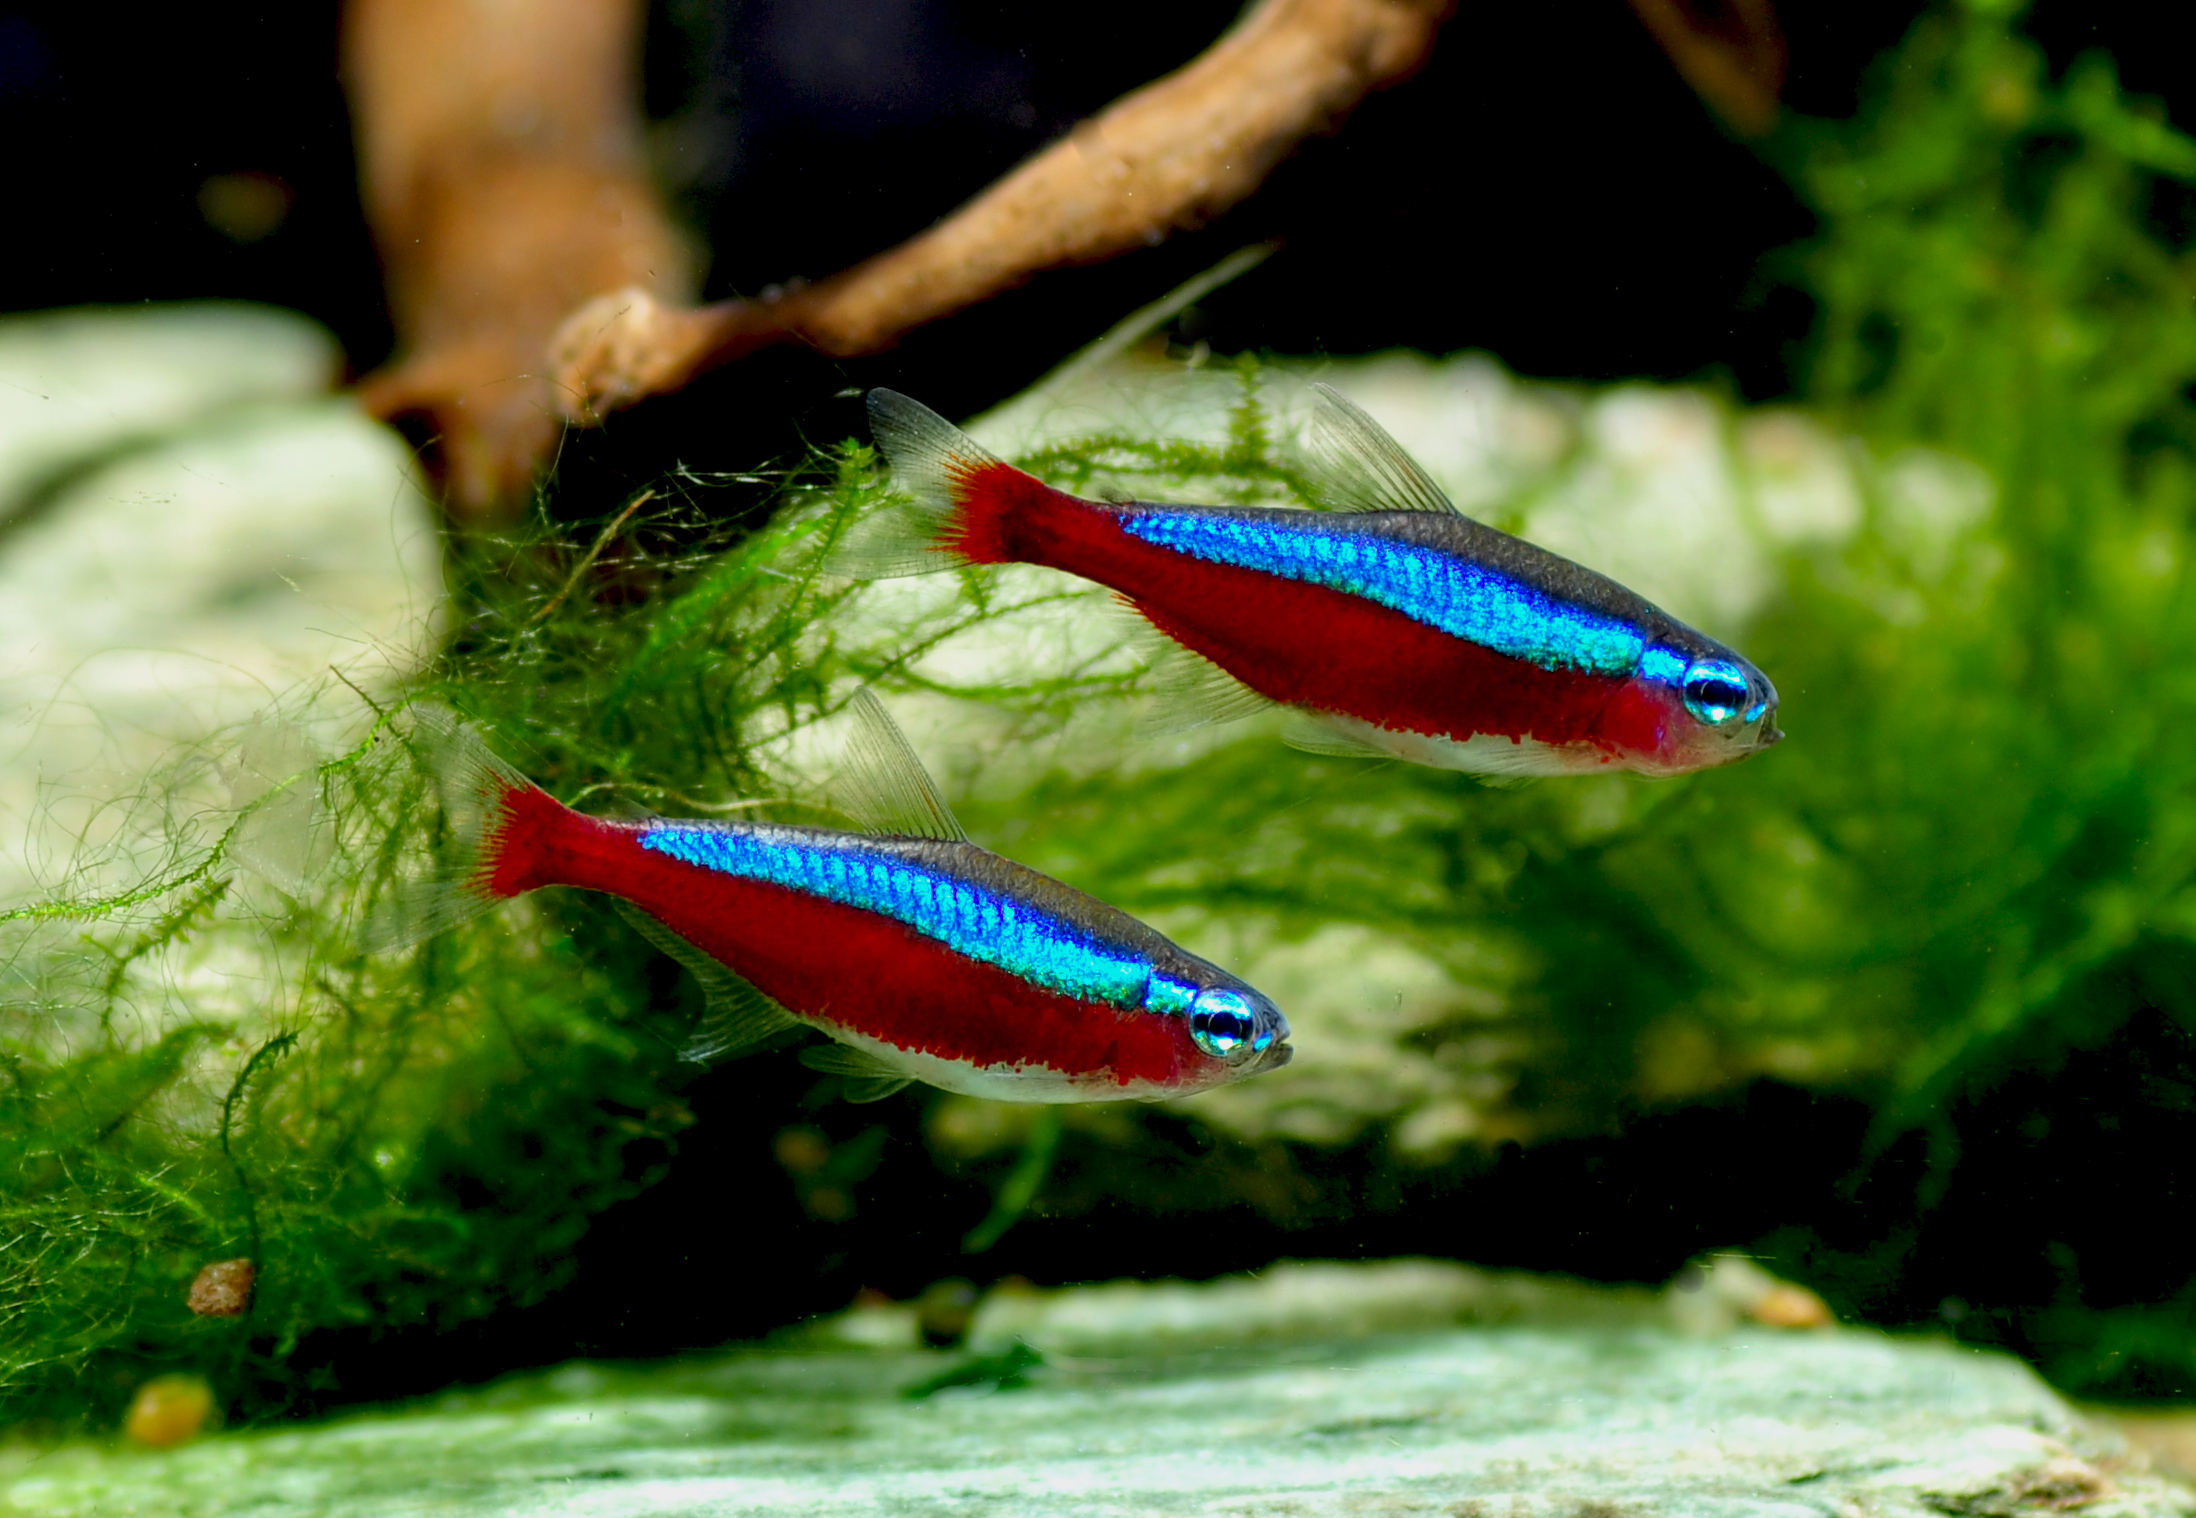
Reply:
x=1586, y=1402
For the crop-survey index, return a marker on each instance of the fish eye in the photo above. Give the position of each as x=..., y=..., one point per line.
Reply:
x=1225, y=1025
x=1716, y=692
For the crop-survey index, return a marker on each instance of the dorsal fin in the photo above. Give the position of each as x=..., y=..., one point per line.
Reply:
x=883, y=785
x=868, y=1078
x=1356, y=467
x=737, y=1016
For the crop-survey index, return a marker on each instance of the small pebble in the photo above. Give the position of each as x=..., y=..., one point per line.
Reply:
x=944, y=1312
x=1716, y=1293
x=1789, y=1306
x=803, y=1151
x=223, y=1289
x=169, y=1410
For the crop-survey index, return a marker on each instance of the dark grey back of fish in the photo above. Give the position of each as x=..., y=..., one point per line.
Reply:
x=958, y=861
x=1488, y=548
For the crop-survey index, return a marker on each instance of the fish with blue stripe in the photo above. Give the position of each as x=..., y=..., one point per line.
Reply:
x=1396, y=626
x=920, y=955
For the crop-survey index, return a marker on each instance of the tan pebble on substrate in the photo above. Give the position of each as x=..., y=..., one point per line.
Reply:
x=223, y=1289
x=1715, y=1293
x=169, y=1410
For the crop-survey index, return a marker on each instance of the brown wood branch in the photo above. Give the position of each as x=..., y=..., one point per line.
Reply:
x=501, y=166
x=1167, y=158
x=1731, y=52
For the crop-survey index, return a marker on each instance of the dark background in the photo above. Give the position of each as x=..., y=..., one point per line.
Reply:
x=1547, y=190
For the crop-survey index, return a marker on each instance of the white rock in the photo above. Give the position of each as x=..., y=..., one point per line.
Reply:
x=182, y=589
x=75, y=385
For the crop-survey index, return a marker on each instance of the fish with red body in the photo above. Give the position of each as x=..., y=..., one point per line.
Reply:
x=1403, y=628
x=921, y=955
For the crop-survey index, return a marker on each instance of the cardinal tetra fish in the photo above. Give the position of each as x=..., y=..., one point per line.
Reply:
x=923, y=956
x=1399, y=626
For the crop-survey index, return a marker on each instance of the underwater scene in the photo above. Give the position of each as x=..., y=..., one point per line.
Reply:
x=1318, y=757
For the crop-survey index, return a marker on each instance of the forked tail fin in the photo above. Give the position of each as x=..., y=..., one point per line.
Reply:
x=962, y=502
x=498, y=821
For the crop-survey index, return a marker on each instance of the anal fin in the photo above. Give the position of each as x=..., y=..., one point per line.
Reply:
x=868, y=1078
x=1305, y=731
x=1184, y=690
x=736, y=1016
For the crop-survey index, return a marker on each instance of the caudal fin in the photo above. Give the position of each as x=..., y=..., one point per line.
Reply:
x=497, y=819
x=960, y=500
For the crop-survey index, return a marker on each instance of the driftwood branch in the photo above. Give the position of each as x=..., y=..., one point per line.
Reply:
x=500, y=158
x=1167, y=158
x=1732, y=54
x=535, y=277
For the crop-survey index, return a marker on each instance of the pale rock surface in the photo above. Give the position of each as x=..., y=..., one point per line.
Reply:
x=1412, y=1387
x=190, y=534
x=84, y=383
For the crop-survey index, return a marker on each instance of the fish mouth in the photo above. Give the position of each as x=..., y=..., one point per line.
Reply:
x=1274, y=1058
x=1767, y=736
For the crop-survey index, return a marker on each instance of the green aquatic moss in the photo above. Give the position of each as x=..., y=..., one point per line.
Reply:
x=343, y=1139
x=1992, y=281
x=202, y=1066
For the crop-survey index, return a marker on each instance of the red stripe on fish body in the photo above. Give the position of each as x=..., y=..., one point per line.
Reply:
x=845, y=968
x=1297, y=643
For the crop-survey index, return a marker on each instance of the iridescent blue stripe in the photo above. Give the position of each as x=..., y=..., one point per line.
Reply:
x=1665, y=666
x=969, y=918
x=1463, y=599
